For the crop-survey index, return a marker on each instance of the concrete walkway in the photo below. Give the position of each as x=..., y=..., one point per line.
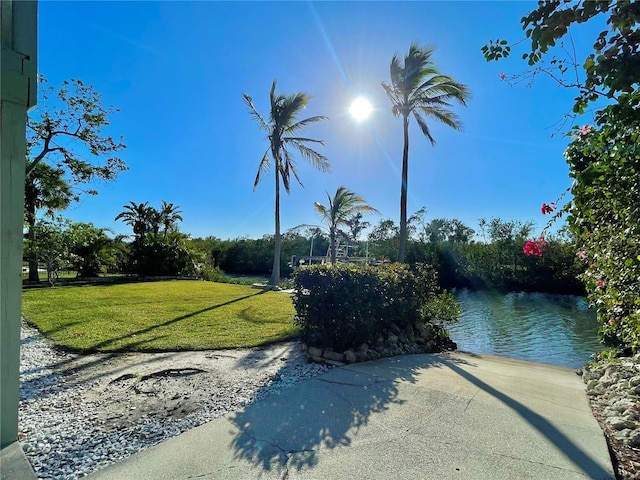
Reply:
x=446, y=416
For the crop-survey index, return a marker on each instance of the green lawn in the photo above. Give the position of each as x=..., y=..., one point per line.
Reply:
x=159, y=316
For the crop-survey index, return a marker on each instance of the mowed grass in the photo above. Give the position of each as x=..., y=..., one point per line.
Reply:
x=159, y=316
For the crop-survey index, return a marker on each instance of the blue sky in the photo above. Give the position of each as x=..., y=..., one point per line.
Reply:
x=177, y=71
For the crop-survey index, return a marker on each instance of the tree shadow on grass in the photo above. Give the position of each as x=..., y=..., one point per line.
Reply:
x=42, y=385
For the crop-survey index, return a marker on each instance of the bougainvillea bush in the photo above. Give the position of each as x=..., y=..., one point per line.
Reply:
x=604, y=214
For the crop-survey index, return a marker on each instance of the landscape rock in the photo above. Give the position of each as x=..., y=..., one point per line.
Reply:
x=350, y=356
x=333, y=356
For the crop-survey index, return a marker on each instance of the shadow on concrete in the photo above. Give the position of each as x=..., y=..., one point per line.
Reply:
x=581, y=459
x=278, y=436
x=325, y=413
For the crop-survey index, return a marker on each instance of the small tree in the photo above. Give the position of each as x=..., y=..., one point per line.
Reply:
x=341, y=207
x=45, y=189
x=90, y=249
x=50, y=246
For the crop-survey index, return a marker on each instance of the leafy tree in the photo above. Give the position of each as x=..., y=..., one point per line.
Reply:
x=460, y=233
x=612, y=68
x=383, y=239
x=45, y=189
x=340, y=208
x=73, y=114
x=282, y=129
x=65, y=130
x=50, y=246
x=418, y=89
x=90, y=249
x=603, y=160
x=356, y=225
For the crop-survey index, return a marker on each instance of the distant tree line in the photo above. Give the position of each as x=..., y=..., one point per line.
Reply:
x=494, y=259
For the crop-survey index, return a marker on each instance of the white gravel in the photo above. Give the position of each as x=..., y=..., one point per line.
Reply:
x=71, y=423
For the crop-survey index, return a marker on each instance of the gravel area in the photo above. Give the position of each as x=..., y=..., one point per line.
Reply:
x=614, y=391
x=80, y=413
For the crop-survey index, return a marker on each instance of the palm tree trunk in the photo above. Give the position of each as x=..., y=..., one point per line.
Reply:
x=402, y=250
x=332, y=237
x=31, y=236
x=275, y=272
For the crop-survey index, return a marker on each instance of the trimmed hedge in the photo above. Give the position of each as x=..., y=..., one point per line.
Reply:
x=341, y=307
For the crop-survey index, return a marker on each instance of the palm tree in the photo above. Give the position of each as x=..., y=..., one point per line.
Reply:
x=140, y=216
x=340, y=209
x=45, y=187
x=419, y=89
x=169, y=216
x=282, y=128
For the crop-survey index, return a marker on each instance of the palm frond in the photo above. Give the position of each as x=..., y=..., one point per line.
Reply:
x=303, y=123
x=316, y=159
x=254, y=113
x=444, y=116
x=424, y=127
x=285, y=167
x=264, y=166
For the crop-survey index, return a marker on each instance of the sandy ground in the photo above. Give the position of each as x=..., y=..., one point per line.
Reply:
x=126, y=387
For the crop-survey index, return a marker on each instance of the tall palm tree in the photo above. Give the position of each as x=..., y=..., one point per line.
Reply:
x=417, y=88
x=340, y=209
x=282, y=129
x=169, y=216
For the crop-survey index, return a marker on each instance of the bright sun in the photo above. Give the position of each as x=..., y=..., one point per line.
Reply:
x=360, y=109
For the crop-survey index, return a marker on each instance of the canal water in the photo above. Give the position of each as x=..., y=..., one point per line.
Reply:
x=556, y=329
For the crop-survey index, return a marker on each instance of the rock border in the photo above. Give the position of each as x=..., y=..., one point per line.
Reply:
x=416, y=339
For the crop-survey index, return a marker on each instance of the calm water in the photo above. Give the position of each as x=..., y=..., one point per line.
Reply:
x=556, y=329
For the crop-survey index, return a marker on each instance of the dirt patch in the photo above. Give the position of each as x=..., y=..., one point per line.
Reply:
x=123, y=388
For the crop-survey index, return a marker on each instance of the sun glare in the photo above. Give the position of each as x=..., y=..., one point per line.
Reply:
x=360, y=109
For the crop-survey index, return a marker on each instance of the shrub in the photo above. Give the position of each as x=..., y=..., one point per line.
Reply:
x=340, y=307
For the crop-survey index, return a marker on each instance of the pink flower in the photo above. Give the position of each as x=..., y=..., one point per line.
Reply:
x=547, y=208
x=532, y=249
x=586, y=130
x=542, y=241
x=502, y=76
x=600, y=284
x=612, y=321
x=593, y=265
x=582, y=255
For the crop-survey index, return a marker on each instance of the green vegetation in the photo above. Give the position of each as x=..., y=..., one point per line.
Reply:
x=159, y=316
x=341, y=307
x=605, y=214
x=158, y=248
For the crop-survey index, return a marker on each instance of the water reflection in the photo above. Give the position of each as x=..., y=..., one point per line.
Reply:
x=556, y=329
